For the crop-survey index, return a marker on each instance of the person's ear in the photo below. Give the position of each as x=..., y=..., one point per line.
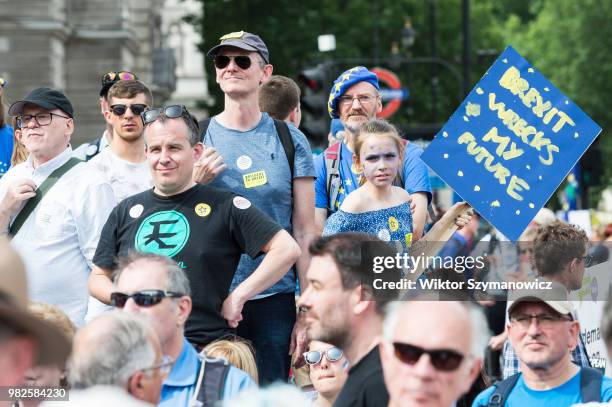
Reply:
x=198, y=149
x=184, y=308
x=135, y=385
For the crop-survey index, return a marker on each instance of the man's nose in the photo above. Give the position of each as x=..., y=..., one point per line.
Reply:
x=130, y=306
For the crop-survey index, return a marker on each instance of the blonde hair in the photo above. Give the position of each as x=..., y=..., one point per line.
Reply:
x=379, y=128
x=237, y=352
x=53, y=315
x=20, y=154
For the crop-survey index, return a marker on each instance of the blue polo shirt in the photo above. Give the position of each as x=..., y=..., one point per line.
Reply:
x=180, y=384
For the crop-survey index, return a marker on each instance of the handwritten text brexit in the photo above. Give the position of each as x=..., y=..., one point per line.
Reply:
x=529, y=135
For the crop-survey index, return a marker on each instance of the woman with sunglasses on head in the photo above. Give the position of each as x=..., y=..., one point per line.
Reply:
x=378, y=207
x=328, y=371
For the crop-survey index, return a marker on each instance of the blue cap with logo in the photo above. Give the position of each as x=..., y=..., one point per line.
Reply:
x=347, y=79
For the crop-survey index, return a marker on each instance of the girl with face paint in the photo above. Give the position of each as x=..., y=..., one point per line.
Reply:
x=379, y=207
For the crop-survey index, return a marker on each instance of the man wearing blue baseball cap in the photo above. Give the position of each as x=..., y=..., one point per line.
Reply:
x=270, y=163
x=355, y=99
x=53, y=205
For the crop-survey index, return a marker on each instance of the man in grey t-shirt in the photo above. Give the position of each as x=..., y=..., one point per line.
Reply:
x=257, y=168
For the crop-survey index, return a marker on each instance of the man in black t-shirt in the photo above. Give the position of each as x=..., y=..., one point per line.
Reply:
x=204, y=229
x=340, y=310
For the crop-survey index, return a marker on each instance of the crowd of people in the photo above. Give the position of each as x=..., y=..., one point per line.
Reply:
x=179, y=262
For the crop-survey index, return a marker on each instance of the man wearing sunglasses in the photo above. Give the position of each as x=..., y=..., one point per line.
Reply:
x=87, y=151
x=124, y=164
x=202, y=228
x=56, y=237
x=559, y=255
x=157, y=287
x=257, y=151
x=432, y=351
x=543, y=333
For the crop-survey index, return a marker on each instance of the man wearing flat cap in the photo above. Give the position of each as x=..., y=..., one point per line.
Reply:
x=270, y=163
x=25, y=341
x=52, y=205
x=355, y=99
x=543, y=333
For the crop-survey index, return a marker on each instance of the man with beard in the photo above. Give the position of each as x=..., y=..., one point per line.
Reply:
x=355, y=100
x=340, y=311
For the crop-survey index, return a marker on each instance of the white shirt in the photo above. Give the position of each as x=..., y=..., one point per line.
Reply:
x=58, y=240
x=126, y=178
x=84, y=149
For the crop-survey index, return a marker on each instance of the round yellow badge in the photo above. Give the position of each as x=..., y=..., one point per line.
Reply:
x=393, y=223
x=202, y=209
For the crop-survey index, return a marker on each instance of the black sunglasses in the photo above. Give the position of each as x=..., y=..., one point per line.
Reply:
x=315, y=356
x=119, y=110
x=145, y=298
x=243, y=61
x=445, y=360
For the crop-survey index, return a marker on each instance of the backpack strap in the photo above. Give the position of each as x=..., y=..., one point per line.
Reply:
x=284, y=135
x=203, y=124
x=502, y=391
x=211, y=380
x=332, y=166
x=590, y=384
x=41, y=191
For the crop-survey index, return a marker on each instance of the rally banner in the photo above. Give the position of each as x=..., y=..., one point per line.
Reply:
x=510, y=143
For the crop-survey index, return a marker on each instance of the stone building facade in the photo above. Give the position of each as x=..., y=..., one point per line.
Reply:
x=70, y=44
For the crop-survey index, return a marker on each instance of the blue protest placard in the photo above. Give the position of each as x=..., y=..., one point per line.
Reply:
x=511, y=143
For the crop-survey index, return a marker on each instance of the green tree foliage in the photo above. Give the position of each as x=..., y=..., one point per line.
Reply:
x=364, y=29
x=567, y=40
x=570, y=42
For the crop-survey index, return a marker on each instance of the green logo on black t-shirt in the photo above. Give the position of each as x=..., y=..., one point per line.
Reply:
x=164, y=233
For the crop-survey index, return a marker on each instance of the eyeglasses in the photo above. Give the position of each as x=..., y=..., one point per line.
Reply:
x=145, y=298
x=222, y=61
x=164, y=367
x=588, y=260
x=314, y=357
x=445, y=360
x=110, y=78
x=41, y=119
x=545, y=321
x=119, y=110
x=347, y=100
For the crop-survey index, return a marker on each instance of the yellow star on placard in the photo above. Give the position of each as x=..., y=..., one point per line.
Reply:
x=346, y=77
x=341, y=190
x=348, y=182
